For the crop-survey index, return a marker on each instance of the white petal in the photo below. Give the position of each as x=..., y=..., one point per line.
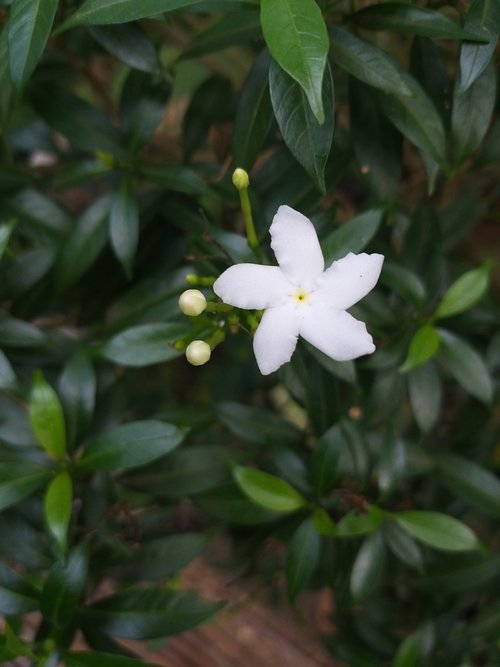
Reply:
x=349, y=279
x=296, y=246
x=336, y=333
x=275, y=338
x=252, y=286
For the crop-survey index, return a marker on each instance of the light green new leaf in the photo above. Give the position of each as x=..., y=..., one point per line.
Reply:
x=124, y=226
x=29, y=26
x=107, y=12
x=267, y=490
x=47, y=418
x=308, y=141
x=296, y=35
x=423, y=346
x=438, y=530
x=482, y=18
x=57, y=508
x=464, y=292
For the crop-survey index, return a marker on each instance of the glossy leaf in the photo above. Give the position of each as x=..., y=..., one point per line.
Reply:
x=256, y=425
x=308, y=141
x=297, y=38
x=483, y=18
x=47, y=418
x=124, y=226
x=7, y=375
x=145, y=344
x=6, y=230
x=424, y=385
x=18, y=480
x=323, y=467
x=64, y=586
x=29, y=26
x=465, y=365
x=130, y=445
x=58, y=507
x=302, y=558
x=464, y=292
x=404, y=282
x=231, y=30
x=353, y=236
x=413, y=19
x=423, y=346
x=392, y=463
x=130, y=44
x=266, y=490
x=470, y=482
x=368, y=568
x=438, y=530
x=403, y=546
x=77, y=387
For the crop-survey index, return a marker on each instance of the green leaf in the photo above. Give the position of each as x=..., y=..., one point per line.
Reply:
x=64, y=586
x=483, y=18
x=472, y=113
x=424, y=385
x=145, y=344
x=308, y=141
x=29, y=26
x=98, y=659
x=18, y=480
x=17, y=594
x=392, y=463
x=231, y=30
x=7, y=376
x=297, y=38
x=130, y=445
x=124, y=226
x=404, y=282
x=302, y=557
x=345, y=370
x=57, y=508
x=323, y=467
x=5, y=233
x=107, y=12
x=353, y=236
x=411, y=19
x=256, y=424
x=77, y=387
x=465, y=365
x=323, y=523
x=148, y=614
x=368, y=568
x=130, y=44
x=353, y=524
x=163, y=557
x=267, y=490
x=403, y=545
x=437, y=530
x=47, y=418
x=254, y=114
x=423, y=346
x=229, y=505
x=464, y=292
x=470, y=482
x=368, y=63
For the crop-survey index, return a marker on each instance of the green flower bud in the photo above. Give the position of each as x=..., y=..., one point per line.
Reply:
x=198, y=352
x=192, y=302
x=240, y=179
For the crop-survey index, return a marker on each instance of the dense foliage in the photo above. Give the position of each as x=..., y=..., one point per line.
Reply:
x=122, y=122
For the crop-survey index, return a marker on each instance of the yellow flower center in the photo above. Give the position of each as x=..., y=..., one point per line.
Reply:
x=301, y=296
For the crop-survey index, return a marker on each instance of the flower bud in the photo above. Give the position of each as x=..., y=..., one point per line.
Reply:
x=192, y=302
x=240, y=179
x=198, y=352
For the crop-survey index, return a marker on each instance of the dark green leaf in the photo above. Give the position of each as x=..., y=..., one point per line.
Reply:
x=465, y=365
x=18, y=480
x=77, y=387
x=149, y=613
x=145, y=344
x=47, y=418
x=256, y=425
x=403, y=545
x=368, y=568
x=7, y=375
x=130, y=445
x=472, y=113
x=483, y=18
x=423, y=346
x=464, y=572
x=323, y=467
x=29, y=26
x=17, y=595
x=411, y=19
x=470, y=482
x=24, y=271
x=368, y=63
x=5, y=233
x=228, y=505
x=57, y=508
x=438, y=530
x=302, y=557
x=230, y=30
x=163, y=557
x=353, y=236
x=392, y=463
x=130, y=44
x=428, y=67
x=254, y=114
x=107, y=12
x=404, y=282
x=124, y=226
x=266, y=490
x=308, y=141
x=177, y=179
x=345, y=370
x=64, y=586
x=464, y=292
x=424, y=386
x=39, y=214
x=98, y=659
x=297, y=38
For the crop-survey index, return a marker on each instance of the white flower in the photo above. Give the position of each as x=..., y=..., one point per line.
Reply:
x=198, y=352
x=300, y=298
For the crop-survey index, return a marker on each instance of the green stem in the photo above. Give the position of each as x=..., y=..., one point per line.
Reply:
x=246, y=209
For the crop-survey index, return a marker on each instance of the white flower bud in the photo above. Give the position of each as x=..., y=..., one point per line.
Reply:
x=192, y=302
x=240, y=179
x=198, y=352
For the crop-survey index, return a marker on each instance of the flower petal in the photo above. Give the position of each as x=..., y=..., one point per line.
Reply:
x=275, y=338
x=336, y=333
x=349, y=279
x=296, y=246
x=252, y=286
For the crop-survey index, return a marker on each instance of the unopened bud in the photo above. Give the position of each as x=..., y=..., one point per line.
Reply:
x=240, y=179
x=192, y=302
x=198, y=352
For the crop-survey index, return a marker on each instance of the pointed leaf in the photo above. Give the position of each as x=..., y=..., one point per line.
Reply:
x=423, y=346
x=297, y=38
x=57, y=508
x=464, y=292
x=7, y=375
x=64, y=586
x=47, y=418
x=266, y=490
x=424, y=386
x=302, y=557
x=77, y=387
x=145, y=344
x=483, y=18
x=308, y=141
x=368, y=568
x=18, y=480
x=5, y=233
x=353, y=236
x=231, y=30
x=124, y=226
x=130, y=44
x=438, y=530
x=29, y=26
x=323, y=467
